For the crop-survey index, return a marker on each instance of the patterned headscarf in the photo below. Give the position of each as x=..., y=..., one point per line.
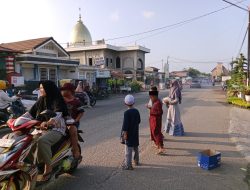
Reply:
x=175, y=91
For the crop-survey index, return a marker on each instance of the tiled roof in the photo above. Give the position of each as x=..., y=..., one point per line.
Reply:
x=3, y=49
x=25, y=45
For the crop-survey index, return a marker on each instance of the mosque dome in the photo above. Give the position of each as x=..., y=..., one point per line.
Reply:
x=80, y=34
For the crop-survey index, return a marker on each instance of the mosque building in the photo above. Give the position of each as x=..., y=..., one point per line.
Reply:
x=33, y=60
x=100, y=60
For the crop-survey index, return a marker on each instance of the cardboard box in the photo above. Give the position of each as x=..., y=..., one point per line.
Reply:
x=209, y=159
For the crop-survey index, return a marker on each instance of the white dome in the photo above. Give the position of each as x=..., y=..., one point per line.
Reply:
x=80, y=34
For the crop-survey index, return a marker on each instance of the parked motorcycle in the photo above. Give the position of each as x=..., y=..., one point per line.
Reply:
x=82, y=97
x=19, y=170
x=14, y=110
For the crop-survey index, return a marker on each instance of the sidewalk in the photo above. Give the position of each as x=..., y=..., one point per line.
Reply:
x=240, y=130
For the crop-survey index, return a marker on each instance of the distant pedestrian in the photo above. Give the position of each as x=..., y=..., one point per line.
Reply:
x=130, y=133
x=173, y=124
x=155, y=121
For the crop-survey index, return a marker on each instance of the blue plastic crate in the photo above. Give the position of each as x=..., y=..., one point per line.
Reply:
x=209, y=159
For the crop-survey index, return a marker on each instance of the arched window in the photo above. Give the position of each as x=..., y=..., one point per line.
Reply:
x=139, y=64
x=118, y=63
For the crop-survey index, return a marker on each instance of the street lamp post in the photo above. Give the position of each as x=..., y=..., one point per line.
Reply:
x=248, y=51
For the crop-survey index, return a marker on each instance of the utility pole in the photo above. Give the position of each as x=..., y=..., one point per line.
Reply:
x=248, y=52
x=162, y=65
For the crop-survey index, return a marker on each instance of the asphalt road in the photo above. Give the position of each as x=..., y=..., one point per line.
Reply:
x=206, y=119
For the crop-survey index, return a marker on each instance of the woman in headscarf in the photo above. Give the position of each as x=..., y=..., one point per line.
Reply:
x=79, y=88
x=173, y=124
x=50, y=99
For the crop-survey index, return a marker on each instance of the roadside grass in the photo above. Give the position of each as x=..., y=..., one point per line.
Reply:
x=238, y=102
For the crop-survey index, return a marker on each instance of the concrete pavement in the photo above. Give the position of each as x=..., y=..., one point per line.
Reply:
x=240, y=130
x=206, y=119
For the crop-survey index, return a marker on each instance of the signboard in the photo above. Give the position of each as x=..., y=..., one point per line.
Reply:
x=103, y=74
x=99, y=61
x=17, y=80
x=225, y=78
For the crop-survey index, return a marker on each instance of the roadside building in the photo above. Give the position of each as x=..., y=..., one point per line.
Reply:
x=219, y=71
x=96, y=57
x=152, y=76
x=42, y=59
x=7, y=57
x=179, y=74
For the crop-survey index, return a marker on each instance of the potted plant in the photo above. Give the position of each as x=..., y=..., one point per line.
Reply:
x=241, y=93
x=247, y=94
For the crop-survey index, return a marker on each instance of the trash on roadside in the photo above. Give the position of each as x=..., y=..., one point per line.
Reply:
x=209, y=159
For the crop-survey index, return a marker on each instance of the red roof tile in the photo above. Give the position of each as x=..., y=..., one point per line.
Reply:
x=25, y=45
x=3, y=49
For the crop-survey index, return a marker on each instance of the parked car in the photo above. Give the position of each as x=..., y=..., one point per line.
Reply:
x=195, y=84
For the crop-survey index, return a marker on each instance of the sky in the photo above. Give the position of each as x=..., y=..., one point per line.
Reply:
x=199, y=44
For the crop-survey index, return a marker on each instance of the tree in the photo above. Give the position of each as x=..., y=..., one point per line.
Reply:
x=193, y=72
x=238, y=71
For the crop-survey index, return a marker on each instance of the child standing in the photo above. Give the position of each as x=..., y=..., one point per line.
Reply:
x=75, y=109
x=130, y=131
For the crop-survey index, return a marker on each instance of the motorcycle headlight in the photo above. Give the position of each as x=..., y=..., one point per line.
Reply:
x=10, y=110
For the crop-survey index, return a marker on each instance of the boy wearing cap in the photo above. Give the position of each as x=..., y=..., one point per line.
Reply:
x=75, y=109
x=130, y=131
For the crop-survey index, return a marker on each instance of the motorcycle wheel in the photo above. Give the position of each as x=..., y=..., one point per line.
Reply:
x=12, y=186
x=93, y=102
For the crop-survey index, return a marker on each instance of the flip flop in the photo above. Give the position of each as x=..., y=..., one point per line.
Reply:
x=45, y=178
x=160, y=153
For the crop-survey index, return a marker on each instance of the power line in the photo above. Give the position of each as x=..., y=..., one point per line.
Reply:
x=240, y=33
x=243, y=42
x=185, y=61
x=197, y=61
x=171, y=25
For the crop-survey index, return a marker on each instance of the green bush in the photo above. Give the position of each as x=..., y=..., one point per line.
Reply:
x=238, y=102
x=135, y=86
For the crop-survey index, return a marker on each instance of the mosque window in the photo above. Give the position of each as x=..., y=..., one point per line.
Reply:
x=90, y=61
x=118, y=63
x=107, y=62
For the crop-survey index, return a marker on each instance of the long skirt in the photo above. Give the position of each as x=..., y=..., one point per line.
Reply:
x=173, y=124
x=155, y=130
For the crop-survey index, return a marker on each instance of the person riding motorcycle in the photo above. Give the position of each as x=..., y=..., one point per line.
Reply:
x=50, y=99
x=81, y=89
x=5, y=100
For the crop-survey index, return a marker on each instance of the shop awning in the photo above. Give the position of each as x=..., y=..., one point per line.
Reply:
x=117, y=75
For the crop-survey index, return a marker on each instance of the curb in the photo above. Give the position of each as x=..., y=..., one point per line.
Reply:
x=235, y=125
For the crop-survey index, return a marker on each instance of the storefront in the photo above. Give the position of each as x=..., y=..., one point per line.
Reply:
x=102, y=77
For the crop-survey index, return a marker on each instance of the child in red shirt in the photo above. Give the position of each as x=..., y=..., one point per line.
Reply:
x=75, y=109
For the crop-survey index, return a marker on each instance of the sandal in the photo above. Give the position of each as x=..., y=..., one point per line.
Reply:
x=45, y=177
x=161, y=152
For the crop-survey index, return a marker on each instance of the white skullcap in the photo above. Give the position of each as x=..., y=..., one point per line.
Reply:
x=129, y=100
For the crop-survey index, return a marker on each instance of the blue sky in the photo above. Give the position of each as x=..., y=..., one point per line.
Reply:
x=198, y=44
